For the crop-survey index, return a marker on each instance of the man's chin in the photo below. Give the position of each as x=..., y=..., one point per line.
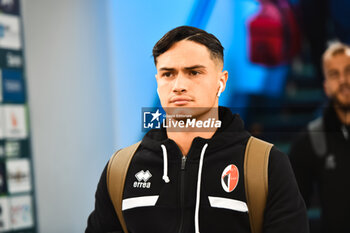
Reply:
x=186, y=112
x=179, y=112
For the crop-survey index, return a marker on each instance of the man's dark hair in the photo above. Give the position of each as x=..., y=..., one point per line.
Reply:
x=192, y=34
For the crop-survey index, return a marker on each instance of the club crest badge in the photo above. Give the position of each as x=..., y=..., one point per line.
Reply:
x=229, y=178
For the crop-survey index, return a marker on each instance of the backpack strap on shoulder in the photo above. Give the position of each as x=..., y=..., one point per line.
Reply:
x=116, y=173
x=317, y=136
x=256, y=161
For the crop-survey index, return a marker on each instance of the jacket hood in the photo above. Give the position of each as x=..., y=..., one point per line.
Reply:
x=231, y=132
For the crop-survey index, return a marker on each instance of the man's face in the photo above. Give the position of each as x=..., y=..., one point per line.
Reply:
x=188, y=76
x=337, y=79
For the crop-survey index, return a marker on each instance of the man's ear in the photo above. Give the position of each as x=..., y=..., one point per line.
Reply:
x=223, y=79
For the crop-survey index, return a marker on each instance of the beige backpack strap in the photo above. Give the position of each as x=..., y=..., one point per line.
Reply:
x=116, y=173
x=256, y=180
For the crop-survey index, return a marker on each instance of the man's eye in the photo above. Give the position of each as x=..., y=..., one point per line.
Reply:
x=167, y=74
x=193, y=72
x=333, y=75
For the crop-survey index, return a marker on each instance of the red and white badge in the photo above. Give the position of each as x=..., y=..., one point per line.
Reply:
x=229, y=178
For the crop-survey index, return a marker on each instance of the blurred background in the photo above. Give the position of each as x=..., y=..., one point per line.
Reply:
x=85, y=70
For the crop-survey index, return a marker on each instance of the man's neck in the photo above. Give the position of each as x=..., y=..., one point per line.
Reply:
x=185, y=137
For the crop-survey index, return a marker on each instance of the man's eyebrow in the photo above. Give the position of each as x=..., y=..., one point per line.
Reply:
x=332, y=71
x=186, y=68
x=194, y=67
x=166, y=69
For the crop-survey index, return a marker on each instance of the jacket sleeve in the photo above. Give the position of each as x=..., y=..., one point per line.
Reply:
x=103, y=218
x=301, y=157
x=285, y=208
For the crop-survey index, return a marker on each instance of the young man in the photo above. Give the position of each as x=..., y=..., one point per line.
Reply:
x=187, y=188
x=321, y=155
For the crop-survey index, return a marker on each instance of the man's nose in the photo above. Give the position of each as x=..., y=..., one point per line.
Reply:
x=180, y=84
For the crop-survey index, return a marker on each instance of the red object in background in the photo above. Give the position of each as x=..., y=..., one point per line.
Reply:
x=266, y=36
x=274, y=34
x=291, y=29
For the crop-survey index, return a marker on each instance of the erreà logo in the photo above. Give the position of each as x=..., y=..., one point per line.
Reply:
x=142, y=178
x=229, y=178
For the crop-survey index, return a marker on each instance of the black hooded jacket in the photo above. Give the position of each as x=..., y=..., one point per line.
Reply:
x=150, y=204
x=326, y=175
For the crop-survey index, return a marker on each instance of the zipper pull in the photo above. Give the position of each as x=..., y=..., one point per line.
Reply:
x=183, y=162
x=345, y=132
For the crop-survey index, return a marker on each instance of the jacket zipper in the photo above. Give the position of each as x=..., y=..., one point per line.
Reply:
x=345, y=132
x=182, y=191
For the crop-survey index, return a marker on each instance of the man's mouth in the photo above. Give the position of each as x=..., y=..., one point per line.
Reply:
x=180, y=101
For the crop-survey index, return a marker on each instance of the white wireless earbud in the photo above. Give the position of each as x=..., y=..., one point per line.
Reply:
x=220, y=90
